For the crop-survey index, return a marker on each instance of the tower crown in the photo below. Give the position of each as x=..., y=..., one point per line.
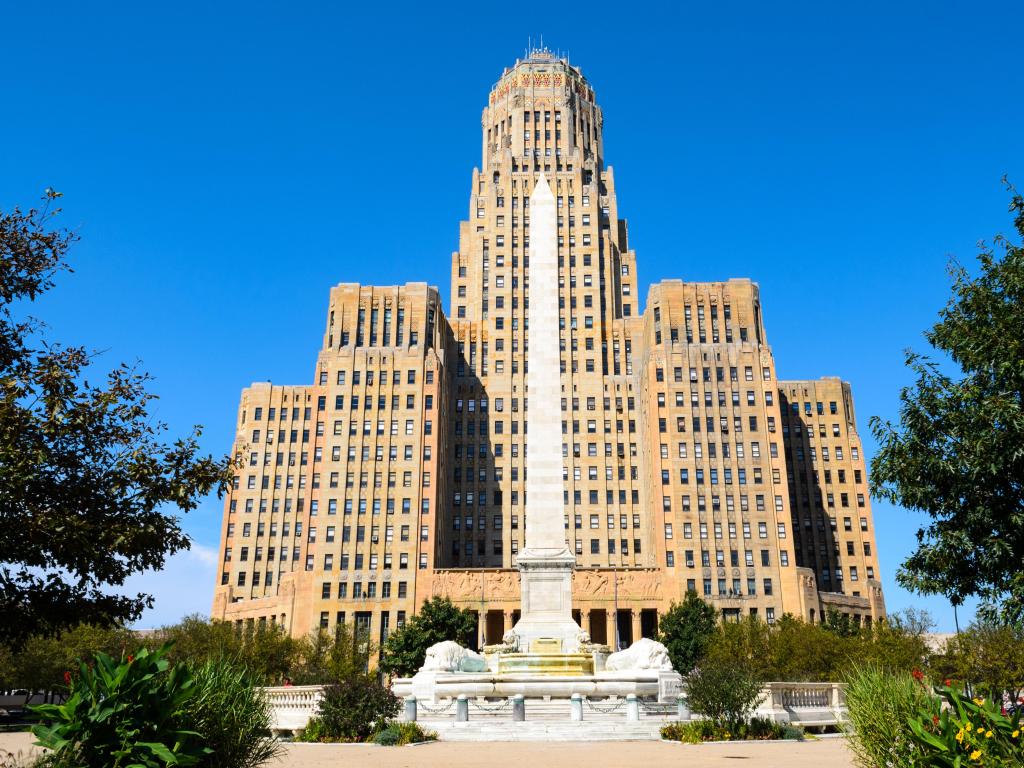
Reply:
x=541, y=115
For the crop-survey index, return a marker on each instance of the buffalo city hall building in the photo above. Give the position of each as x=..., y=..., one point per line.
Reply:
x=399, y=473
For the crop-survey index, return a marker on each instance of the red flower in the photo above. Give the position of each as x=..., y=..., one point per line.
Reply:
x=918, y=674
x=130, y=658
x=67, y=678
x=935, y=719
x=947, y=682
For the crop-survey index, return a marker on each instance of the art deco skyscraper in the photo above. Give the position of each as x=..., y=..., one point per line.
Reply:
x=687, y=465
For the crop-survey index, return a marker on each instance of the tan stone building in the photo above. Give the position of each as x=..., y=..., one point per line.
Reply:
x=399, y=473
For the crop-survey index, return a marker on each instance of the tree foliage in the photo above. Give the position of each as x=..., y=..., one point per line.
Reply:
x=266, y=652
x=334, y=656
x=87, y=483
x=957, y=453
x=795, y=650
x=725, y=691
x=437, y=620
x=41, y=661
x=989, y=657
x=686, y=630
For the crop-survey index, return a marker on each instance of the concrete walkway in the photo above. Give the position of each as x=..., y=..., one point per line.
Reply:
x=787, y=754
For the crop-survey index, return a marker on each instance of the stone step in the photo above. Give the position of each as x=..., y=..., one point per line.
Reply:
x=541, y=731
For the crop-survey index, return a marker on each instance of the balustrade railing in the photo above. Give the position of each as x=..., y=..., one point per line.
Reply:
x=807, y=704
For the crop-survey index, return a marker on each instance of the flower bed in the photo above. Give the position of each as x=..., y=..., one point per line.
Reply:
x=756, y=729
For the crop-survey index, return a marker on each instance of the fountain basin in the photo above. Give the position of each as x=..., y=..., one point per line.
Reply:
x=546, y=664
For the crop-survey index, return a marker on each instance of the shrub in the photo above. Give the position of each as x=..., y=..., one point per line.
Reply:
x=726, y=693
x=388, y=737
x=232, y=714
x=967, y=731
x=121, y=714
x=399, y=734
x=354, y=709
x=313, y=732
x=696, y=731
x=413, y=733
x=880, y=707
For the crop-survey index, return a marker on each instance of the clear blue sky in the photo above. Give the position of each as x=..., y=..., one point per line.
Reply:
x=226, y=163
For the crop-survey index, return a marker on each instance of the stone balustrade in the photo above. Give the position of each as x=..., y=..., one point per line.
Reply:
x=292, y=706
x=806, y=704
x=803, y=704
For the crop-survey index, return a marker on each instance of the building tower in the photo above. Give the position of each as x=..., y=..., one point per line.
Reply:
x=686, y=464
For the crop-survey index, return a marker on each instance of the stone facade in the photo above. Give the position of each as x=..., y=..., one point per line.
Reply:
x=400, y=473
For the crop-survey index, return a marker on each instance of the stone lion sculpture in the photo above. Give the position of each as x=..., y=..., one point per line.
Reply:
x=449, y=656
x=643, y=654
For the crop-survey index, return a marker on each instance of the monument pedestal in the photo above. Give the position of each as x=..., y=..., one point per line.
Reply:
x=546, y=625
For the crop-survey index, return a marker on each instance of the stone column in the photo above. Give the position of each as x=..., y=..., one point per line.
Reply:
x=410, y=709
x=635, y=615
x=610, y=619
x=481, y=627
x=585, y=620
x=506, y=623
x=576, y=708
x=632, y=708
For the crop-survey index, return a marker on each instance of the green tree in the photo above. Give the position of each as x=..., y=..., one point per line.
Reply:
x=725, y=691
x=87, y=484
x=332, y=656
x=41, y=661
x=686, y=631
x=990, y=657
x=266, y=650
x=437, y=620
x=839, y=623
x=798, y=650
x=957, y=453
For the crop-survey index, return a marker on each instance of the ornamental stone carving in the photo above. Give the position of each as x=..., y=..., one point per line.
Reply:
x=643, y=654
x=449, y=656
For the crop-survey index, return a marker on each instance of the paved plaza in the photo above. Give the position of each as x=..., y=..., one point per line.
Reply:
x=622, y=754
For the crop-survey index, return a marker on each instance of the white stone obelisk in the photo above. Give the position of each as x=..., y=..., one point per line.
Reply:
x=545, y=564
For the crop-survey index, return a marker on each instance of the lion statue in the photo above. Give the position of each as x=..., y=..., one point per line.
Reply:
x=449, y=656
x=643, y=654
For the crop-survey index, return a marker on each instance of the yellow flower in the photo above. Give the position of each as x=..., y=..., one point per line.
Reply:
x=988, y=734
x=978, y=701
x=969, y=726
x=960, y=736
x=975, y=754
x=980, y=729
x=1015, y=734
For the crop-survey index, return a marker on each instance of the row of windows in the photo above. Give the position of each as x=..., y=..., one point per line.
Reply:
x=705, y=375
x=267, y=576
x=332, y=508
x=272, y=413
x=330, y=533
x=361, y=590
x=367, y=377
x=368, y=429
x=733, y=588
x=745, y=528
